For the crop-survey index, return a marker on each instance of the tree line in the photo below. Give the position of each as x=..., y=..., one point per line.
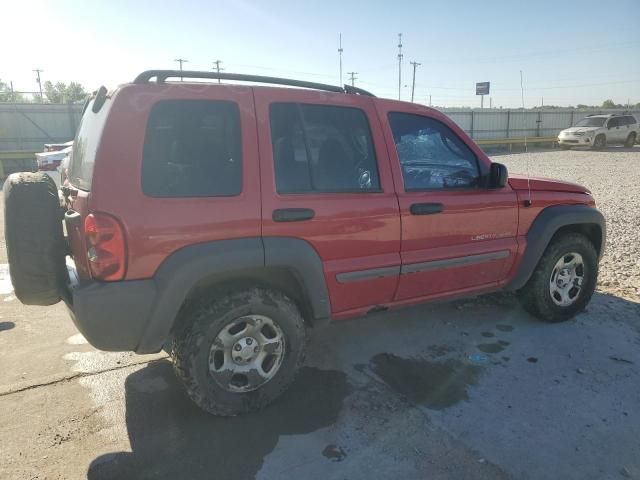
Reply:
x=58, y=92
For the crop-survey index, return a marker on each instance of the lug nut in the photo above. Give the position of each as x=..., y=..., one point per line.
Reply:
x=237, y=348
x=238, y=359
x=249, y=341
x=255, y=349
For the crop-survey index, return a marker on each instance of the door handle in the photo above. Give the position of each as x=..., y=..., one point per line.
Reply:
x=292, y=214
x=426, y=208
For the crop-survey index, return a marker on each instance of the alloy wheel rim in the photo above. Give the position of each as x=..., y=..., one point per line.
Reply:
x=566, y=279
x=247, y=353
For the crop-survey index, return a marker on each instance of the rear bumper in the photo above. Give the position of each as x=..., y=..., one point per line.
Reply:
x=112, y=315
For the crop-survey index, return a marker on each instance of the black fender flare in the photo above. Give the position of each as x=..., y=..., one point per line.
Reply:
x=184, y=269
x=544, y=227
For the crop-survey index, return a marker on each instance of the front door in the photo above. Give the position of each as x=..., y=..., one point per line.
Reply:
x=323, y=159
x=457, y=235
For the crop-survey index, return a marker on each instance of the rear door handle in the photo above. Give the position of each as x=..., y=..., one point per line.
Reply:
x=425, y=208
x=292, y=214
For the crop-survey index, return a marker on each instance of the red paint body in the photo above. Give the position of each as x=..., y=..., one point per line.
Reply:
x=350, y=231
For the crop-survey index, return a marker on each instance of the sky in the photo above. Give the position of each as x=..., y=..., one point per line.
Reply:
x=570, y=51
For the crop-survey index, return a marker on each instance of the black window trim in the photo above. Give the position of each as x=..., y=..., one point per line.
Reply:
x=299, y=105
x=480, y=184
x=240, y=150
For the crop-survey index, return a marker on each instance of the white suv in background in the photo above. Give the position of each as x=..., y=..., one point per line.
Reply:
x=598, y=131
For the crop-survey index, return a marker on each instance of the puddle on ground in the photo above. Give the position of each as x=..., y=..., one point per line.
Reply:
x=504, y=328
x=334, y=453
x=532, y=360
x=504, y=343
x=440, y=350
x=488, y=334
x=6, y=326
x=490, y=347
x=172, y=438
x=437, y=385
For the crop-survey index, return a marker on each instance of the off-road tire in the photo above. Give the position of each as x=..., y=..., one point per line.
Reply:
x=599, y=142
x=631, y=140
x=36, y=247
x=536, y=297
x=198, y=326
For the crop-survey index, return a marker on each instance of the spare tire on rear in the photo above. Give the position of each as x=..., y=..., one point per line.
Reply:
x=36, y=246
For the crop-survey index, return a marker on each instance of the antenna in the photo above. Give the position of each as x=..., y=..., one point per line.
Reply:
x=527, y=203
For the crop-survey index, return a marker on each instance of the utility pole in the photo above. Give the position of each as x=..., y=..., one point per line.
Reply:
x=353, y=77
x=217, y=67
x=38, y=72
x=399, y=64
x=340, y=50
x=429, y=100
x=181, y=61
x=490, y=102
x=413, y=84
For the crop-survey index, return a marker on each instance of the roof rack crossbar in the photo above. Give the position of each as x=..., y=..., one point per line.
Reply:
x=162, y=75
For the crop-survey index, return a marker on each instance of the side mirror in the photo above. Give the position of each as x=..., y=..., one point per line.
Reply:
x=498, y=175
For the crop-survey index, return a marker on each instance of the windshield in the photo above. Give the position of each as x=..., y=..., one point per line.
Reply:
x=591, y=122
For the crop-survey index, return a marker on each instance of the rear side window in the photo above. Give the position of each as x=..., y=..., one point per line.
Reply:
x=321, y=148
x=85, y=145
x=192, y=148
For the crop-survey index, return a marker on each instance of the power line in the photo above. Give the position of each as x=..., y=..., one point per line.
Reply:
x=181, y=61
x=413, y=84
x=217, y=67
x=399, y=64
x=38, y=72
x=353, y=77
x=340, y=50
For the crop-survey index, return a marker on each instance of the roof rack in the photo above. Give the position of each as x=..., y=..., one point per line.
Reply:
x=162, y=75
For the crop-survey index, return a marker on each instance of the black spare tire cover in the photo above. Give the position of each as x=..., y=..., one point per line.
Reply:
x=36, y=246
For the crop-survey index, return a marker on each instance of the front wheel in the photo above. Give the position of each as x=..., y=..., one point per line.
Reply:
x=631, y=140
x=564, y=279
x=239, y=352
x=600, y=142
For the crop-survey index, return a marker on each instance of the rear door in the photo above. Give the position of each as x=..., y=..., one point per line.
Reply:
x=457, y=235
x=325, y=153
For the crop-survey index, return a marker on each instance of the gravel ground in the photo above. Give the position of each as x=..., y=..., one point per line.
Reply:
x=613, y=176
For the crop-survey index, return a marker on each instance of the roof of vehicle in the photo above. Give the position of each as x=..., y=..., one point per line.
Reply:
x=162, y=75
x=609, y=115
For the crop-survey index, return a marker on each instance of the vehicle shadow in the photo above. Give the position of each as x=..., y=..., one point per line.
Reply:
x=171, y=438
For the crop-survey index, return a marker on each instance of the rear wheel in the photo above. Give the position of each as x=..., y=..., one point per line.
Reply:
x=564, y=279
x=599, y=142
x=239, y=352
x=631, y=140
x=36, y=247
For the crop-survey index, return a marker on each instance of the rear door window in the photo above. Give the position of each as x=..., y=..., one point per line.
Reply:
x=85, y=145
x=192, y=148
x=322, y=148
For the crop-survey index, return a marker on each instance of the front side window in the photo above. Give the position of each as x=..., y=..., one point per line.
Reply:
x=431, y=155
x=192, y=149
x=320, y=148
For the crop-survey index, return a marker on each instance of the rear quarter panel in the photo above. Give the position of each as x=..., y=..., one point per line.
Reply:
x=156, y=227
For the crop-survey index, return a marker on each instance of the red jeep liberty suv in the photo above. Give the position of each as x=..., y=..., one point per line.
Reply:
x=224, y=219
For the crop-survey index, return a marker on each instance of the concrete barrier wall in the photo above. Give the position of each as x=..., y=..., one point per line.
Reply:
x=27, y=127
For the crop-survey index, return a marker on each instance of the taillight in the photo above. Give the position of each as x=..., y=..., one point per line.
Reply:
x=106, y=250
